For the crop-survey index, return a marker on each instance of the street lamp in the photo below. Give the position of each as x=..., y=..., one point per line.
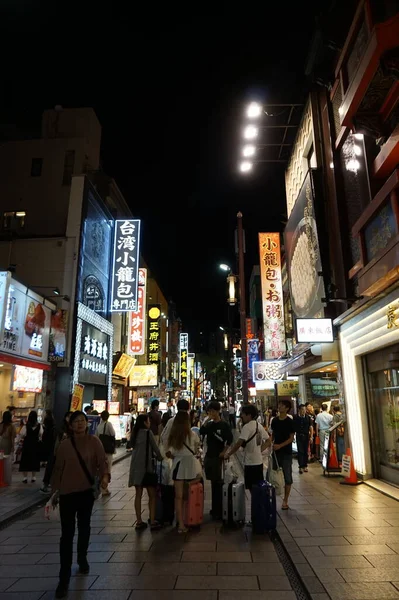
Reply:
x=248, y=150
x=246, y=166
x=254, y=110
x=225, y=267
x=250, y=132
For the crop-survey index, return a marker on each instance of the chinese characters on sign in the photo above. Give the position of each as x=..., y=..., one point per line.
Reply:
x=137, y=318
x=154, y=334
x=93, y=355
x=183, y=359
x=391, y=317
x=314, y=330
x=125, y=265
x=272, y=295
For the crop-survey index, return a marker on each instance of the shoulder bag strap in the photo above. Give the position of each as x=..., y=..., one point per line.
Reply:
x=188, y=448
x=147, y=450
x=82, y=462
x=252, y=436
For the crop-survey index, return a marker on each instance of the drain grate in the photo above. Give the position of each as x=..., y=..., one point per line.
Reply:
x=289, y=567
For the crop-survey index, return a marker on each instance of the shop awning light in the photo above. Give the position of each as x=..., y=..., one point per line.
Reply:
x=250, y=132
x=254, y=110
x=246, y=166
x=248, y=150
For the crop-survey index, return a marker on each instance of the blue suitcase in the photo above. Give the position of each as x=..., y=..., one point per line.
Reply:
x=263, y=507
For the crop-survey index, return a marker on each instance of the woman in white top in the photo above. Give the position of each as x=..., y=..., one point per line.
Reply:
x=182, y=447
x=106, y=433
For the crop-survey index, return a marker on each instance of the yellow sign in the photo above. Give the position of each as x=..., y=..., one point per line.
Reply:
x=272, y=295
x=124, y=366
x=391, y=317
x=77, y=397
x=144, y=375
x=287, y=388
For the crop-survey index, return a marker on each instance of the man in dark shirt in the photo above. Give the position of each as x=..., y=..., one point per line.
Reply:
x=218, y=434
x=283, y=430
x=303, y=430
x=155, y=418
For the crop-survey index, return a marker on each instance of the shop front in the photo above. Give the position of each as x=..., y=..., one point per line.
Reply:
x=25, y=321
x=369, y=343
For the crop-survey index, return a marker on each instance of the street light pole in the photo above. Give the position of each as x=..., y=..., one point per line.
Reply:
x=243, y=311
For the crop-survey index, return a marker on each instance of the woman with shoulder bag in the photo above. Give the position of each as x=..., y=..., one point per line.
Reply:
x=106, y=433
x=80, y=462
x=142, y=473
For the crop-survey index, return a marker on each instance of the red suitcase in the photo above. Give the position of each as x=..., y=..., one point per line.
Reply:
x=194, y=505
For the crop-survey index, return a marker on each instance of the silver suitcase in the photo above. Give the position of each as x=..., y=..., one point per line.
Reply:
x=234, y=502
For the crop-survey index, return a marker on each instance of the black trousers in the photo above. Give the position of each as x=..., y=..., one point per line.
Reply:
x=302, y=442
x=213, y=472
x=232, y=421
x=49, y=470
x=78, y=505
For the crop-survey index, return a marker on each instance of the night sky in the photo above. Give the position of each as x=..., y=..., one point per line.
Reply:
x=169, y=83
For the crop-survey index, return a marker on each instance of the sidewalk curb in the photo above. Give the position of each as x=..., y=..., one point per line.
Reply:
x=38, y=502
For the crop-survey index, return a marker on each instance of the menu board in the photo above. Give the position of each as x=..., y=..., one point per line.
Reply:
x=115, y=421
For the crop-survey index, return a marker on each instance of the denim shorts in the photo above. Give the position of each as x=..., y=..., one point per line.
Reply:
x=285, y=462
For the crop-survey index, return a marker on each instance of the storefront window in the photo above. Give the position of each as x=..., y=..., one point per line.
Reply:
x=385, y=400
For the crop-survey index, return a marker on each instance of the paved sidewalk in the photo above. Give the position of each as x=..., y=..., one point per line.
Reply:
x=343, y=540
x=205, y=565
x=19, y=496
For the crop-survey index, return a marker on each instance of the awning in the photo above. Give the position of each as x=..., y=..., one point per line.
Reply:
x=316, y=357
x=16, y=360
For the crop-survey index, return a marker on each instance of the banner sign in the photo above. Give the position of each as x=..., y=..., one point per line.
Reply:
x=143, y=375
x=125, y=265
x=58, y=330
x=183, y=359
x=77, y=397
x=154, y=334
x=272, y=295
x=314, y=331
x=93, y=355
x=136, y=345
x=124, y=366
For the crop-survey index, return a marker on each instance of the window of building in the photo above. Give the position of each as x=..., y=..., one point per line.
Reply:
x=13, y=221
x=36, y=167
x=69, y=163
x=312, y=164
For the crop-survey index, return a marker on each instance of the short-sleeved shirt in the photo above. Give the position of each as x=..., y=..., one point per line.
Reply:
x=218, y=434
x=324, y=420
x=282, y=430
x=155, y=421
x=302, y=424
x=252, y=450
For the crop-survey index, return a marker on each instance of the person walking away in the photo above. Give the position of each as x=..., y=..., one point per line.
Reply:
x=62, y=434
x=254, y=439
x=225, y=412
x=312, y=445
x=303, y=431
x=218, y=435
x=182, y=406
x=339, y=432
x=155, y=419
x=232, y=415
x=142, y=474
x=48, y=437
x=283, y=430
x=106, y=432
x=80, y=459
x=7, y=436
x=31, y=434
x=182, y=447
x=323, y=423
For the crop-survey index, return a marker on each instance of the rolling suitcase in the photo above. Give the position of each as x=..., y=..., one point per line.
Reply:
x=263, y=507
x=233, y=502
x=165, y=506
x=194, y=505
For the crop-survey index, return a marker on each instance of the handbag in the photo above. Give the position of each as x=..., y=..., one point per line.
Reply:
x=94, y=481
x=108, y=441
x=150, y=478
x=276, y=476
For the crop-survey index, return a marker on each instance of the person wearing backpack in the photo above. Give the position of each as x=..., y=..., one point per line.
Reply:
x=106, y=433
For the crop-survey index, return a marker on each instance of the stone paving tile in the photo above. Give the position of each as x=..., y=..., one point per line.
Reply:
x=127, y=582
x=53, y=558
x=384, y=561
x=112, y=546
x=382, y=530
x=218, y=582
x=362, y=591
x=216, y=557
x=304, y=570
x=22, y=596
x=373, y=539
x=341, y=562
x=180, y=568
x=248, y=568
x=338, y=531
x=6, y=582
x=274, y=582
x=201, y=547
x=322, y=541
x=20, y=559
x=257, y=595
x=92, y=595
x=50, y=583
x=395, y=546
x=153, y=557
x=254, y=546
x=358, y=549
x=265, y=557
x=378, y=574
x=12, y=549
x=313, y=585
x=169, y=595
x=327, y=575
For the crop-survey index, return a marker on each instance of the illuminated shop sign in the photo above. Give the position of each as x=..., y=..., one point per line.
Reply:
x=314, y=330
x=154, y=334
x=94, y=354
x=57, y=345
x=183, y=359
x=136, y=344
x=272, y=295
x=26, y=379
x=125, y=265
x=266, y=369
x=143, y=375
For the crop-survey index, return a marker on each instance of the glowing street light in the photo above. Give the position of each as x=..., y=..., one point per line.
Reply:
x=250, y=132
x=254, y=110
x=248, y=150
x=245, y=166
x=225, y=267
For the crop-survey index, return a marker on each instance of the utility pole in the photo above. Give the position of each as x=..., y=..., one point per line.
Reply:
x=243, y=311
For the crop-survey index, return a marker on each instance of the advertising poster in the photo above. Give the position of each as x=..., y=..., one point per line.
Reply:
x=124, y=366
x=115, y=421
x=57, y=344
x=77, y=397
x=99, y=405
x=26, y=379
x=143, y=375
